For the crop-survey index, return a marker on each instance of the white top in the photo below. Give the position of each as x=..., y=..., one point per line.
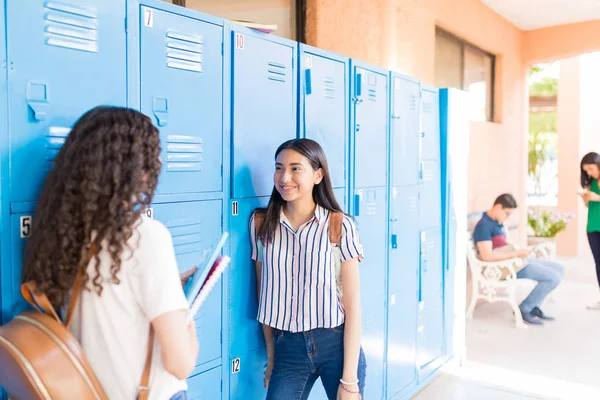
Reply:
x=298, y=287
x=113, y=328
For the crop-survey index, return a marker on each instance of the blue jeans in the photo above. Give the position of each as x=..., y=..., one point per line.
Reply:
x=547, y=274
x=301, y=358
x=179, y=396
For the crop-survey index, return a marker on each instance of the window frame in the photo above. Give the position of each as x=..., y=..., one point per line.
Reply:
x=465, y=44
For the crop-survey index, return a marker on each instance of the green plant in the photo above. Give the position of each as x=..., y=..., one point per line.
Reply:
x=548, y=224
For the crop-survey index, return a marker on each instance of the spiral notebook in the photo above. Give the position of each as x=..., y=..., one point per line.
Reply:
x=205, y=278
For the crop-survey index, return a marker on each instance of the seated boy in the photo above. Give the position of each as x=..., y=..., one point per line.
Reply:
x=489, y=234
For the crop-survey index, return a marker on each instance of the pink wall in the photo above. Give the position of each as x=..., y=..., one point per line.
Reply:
x=400, y=35
x=558, y=42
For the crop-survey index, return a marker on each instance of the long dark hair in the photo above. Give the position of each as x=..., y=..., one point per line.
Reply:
x=322, y=193
x=103, y=178
x=589, y=158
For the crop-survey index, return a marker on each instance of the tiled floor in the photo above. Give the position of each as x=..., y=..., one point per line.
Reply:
x=560, y=360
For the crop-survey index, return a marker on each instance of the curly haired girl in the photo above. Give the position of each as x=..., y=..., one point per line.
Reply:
x=103, y=178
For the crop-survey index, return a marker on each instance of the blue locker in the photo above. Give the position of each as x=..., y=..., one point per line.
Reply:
x=340, y=195
x=181, y=89
x=403, y=289
x=65, y=58
x=430, y=338
x=13, y=304
x=430, y=120
x=205, y=386
x=369, y=135
x=246, y=340
x=196, y=228
x=454, y=136
x=370, y=125
x=4, y=199
x=405, y=129
x=264, y=106
x=324, y=93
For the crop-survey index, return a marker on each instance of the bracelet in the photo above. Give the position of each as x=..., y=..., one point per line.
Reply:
x=349, y=383
x=348, y=390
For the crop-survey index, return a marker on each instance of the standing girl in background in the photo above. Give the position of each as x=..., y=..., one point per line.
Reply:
x=590, y=173
x=88, y=227
x=311, y=331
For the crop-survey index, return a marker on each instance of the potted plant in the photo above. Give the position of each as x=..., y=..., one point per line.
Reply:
x=546, y=224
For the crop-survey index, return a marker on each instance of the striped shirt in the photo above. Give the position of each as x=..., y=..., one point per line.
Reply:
x=298, y=287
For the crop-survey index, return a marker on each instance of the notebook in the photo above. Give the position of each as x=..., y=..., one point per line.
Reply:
x=211, y=270
x=212, y=278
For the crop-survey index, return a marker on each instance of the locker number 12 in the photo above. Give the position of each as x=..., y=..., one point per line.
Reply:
x=235, y=366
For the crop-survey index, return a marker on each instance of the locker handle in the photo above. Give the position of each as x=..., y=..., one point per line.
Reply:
x=357, y=205
x=37, y=99
x=160, y=108
x=358, y=85
x=39, y=108
x=394, y=241
x=308, y=80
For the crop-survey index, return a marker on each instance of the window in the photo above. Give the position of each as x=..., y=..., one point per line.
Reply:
x=461, y=65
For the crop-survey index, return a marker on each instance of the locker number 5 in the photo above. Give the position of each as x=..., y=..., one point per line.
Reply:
x=239, y=41
x=26, y=223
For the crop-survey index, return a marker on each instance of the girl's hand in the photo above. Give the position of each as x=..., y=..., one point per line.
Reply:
x=185, y=276
x=348, y=392
x=269, y=371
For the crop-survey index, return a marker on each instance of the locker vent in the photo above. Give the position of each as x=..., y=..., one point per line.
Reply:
x=413, y=204
x=329, y=87
x=428, y=174
x=71, y=27
x=186, y=233
x=184, y=51
x=276, y=72
x=184, y=153
x=373, y=94
x=427, y=107
x=413, y=103
x=371, y=208
x=55, y=138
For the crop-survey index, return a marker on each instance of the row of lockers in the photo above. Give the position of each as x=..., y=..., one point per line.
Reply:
x=224, y=97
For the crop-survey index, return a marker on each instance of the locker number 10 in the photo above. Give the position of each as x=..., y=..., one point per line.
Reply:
x=239, y=41
x=26, y=222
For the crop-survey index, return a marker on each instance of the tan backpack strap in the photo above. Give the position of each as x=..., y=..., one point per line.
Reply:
x=38, y=300
x=336, y=219
x=259, y=218
x=145, y=384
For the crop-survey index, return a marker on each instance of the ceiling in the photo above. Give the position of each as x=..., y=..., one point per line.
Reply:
x=535, y=14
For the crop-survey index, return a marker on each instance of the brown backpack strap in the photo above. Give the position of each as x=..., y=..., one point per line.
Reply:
x=38, y=300
x=145, y=384
x=259, y=218
x=336, y=219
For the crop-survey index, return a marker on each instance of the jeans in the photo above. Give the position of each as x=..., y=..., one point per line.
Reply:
x=547, y=274
x=179, y=396
x=301, y=358
x=594, y=241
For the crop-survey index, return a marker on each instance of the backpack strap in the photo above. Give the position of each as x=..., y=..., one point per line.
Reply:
x=336, y=219
x=259, y=218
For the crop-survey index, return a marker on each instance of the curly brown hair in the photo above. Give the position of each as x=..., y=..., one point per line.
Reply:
x=103, y=178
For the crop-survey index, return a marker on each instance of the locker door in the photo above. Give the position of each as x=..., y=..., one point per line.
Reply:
x=196, y=228
x=371, y=123
x=405, y=130
x=12, y=302
x=65, y=58
x=324, y=92
x=431, y=195
x=371, y=217
x=340, y=196
x=181, y=90
x=264, y=109
x=246, y=340
x=430, y=147
x=403, y=289
x=205, y=386
x=431, y=332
